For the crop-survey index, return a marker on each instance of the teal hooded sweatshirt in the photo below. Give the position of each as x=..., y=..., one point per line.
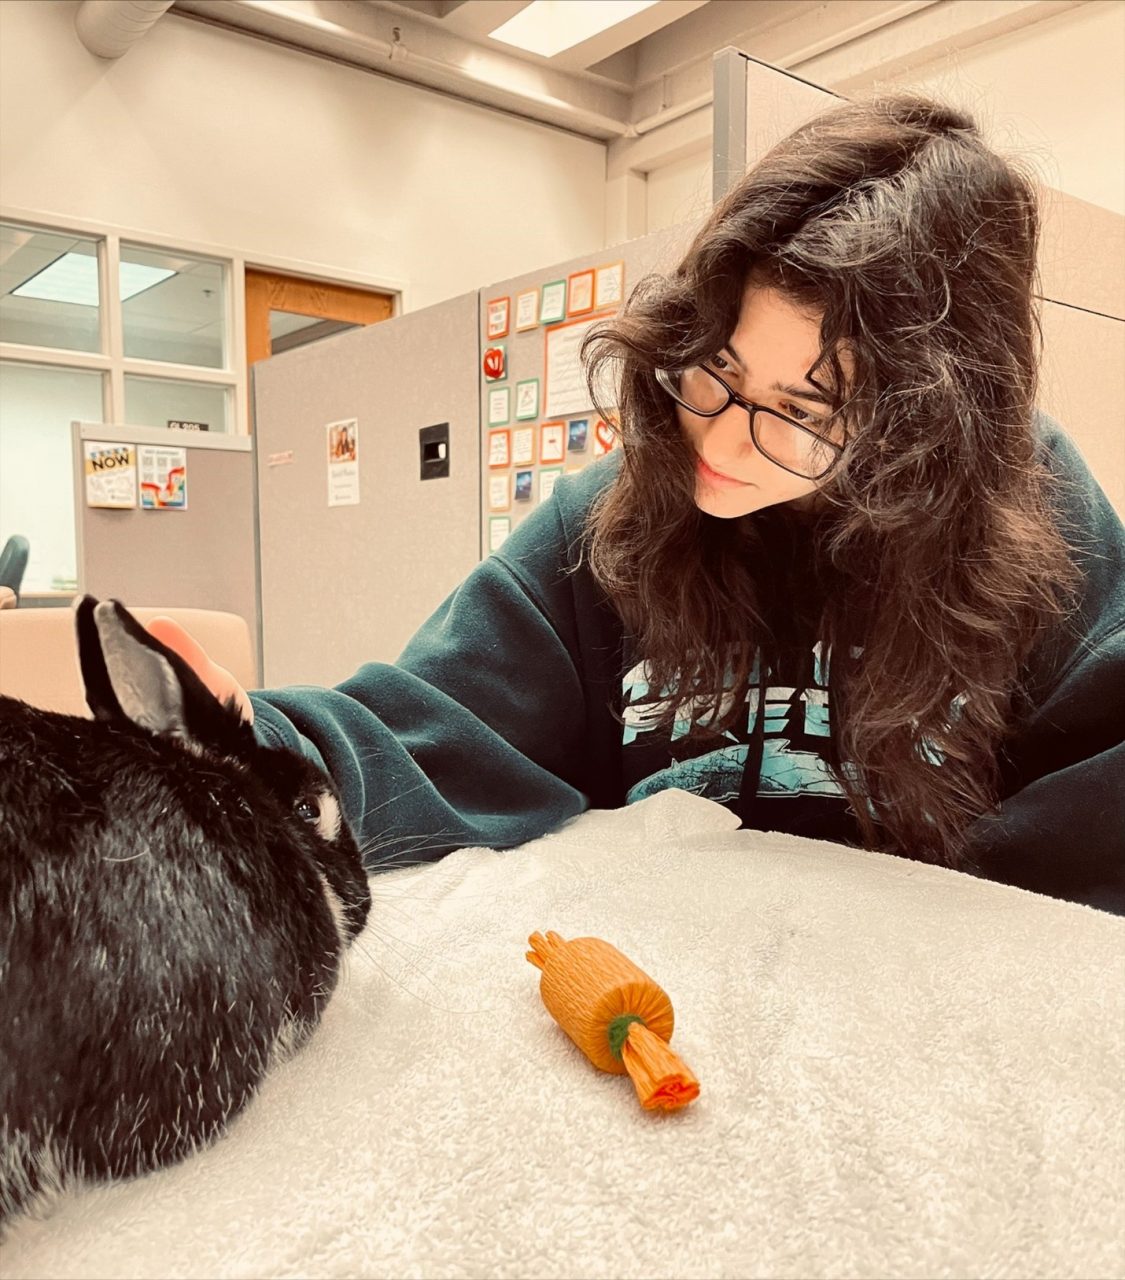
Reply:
x=522, y=701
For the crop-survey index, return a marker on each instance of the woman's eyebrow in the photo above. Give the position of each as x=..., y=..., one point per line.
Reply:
x=799, y=393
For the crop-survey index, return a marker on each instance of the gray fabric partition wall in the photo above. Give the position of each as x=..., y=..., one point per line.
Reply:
x=346, y=584
x=1081, y=263
x=201, y=557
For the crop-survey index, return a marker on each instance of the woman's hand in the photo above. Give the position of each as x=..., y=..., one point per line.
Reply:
x=218, y=679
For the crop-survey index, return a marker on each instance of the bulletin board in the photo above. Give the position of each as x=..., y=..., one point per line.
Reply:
x=195, y=547
x=536, y=419
x=1081, y=263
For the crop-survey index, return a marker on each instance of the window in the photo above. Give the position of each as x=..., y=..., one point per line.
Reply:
x=97, y=329
x=51, y=291
x=37, y=405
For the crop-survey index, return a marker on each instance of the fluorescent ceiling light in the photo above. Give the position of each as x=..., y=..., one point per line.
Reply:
x=548, y=27
x=74, y=278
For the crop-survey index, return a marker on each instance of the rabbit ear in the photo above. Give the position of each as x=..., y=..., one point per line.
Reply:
x=131, y=676
x=100, y=697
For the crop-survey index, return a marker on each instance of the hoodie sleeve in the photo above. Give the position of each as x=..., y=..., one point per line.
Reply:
x=474, y=737
x=1060, y=827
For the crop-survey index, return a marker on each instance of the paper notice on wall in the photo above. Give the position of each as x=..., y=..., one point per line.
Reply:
x=111, y=474
x=163, y=471
x=343, y=463
x=566, y=377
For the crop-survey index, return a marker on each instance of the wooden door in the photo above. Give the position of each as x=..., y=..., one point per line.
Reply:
x=319, y=300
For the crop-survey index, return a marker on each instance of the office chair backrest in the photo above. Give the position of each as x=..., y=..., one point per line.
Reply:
x=13, y=562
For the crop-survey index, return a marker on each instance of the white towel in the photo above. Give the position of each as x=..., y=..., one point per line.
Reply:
x=905, y=1072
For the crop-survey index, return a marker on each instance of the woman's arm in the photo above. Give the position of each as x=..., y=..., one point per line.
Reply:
x=473, y=738
x=1060, y=828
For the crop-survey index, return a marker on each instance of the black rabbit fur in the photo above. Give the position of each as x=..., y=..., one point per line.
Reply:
x=175, y=903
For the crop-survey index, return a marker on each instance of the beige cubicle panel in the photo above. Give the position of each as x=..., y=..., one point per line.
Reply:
x=201, y=557
x=346, y=584
x=1082, y=313
x=1081, y=263
x=755, y=106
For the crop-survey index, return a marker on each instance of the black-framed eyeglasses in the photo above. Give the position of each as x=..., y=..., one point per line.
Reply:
x=787, y=443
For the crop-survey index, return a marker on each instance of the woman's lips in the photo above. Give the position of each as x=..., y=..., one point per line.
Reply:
x=716, y=478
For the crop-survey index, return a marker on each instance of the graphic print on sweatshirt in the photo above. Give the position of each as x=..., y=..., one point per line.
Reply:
x=795, y=738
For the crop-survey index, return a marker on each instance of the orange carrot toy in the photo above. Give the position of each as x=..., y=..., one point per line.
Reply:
x=614, y=1013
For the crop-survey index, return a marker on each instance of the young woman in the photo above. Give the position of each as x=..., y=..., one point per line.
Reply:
x=841, y=575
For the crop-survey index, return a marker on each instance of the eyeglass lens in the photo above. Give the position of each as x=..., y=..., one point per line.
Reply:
x=778, y=439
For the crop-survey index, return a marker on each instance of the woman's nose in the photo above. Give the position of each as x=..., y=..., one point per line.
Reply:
x=732, y=430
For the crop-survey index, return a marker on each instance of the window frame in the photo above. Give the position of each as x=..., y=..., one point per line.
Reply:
x=112, y=362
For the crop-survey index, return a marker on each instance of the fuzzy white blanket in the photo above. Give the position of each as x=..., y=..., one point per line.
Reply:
x=905, y=1072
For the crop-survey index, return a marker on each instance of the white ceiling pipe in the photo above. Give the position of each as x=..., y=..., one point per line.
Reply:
x=110, y=28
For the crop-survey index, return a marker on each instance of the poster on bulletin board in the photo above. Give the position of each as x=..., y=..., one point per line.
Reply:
x=552, y=442
x=524, y=480
x=498, y=529
x=343, y=463
x=111, y=474
x=499, y=492
x=527, y=310
x=566, y=391
x=499, y=311
x=499, y=448
x=547, y=480
x=163, y=472
x=609, y=285
x=580, y=293
x=523, y=446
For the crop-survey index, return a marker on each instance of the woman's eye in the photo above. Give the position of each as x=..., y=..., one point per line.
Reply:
x=720, y=363
x=798, y=414
x=307, y=811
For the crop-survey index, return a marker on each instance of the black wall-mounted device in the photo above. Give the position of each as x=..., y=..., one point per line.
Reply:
x=433, y=445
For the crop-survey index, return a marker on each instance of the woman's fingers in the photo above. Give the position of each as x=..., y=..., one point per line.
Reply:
x=218, y=679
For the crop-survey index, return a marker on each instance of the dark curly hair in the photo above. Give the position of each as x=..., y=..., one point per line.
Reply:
x=939, y=557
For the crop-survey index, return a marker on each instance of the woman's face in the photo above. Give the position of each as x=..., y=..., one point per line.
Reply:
x=767, y=360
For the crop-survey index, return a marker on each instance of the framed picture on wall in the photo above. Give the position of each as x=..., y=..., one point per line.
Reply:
x=552, y=304
x=609, y=285
x=580, y=293
x=523, y=446
x=527, y=310
x=552, y=442
x=499, y=492
x=499, y=312
x=500, y=448
x=527, y=399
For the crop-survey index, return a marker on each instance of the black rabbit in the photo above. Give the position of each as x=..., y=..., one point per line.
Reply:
x=175, y=901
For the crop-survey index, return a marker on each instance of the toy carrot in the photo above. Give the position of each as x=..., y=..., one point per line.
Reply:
x=614, y=1013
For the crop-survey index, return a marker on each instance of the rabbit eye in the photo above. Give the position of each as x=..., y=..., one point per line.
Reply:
x=307, y=811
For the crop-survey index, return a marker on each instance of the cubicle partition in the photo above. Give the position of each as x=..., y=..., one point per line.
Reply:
x=537, y=421
x=193, y=546
x=367, y=448
x=1081, y=263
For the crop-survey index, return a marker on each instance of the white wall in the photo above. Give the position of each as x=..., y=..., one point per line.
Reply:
x=221, y=140
x=1053, y=92
x=227, y=141
x=679, y=192
x=37, y=406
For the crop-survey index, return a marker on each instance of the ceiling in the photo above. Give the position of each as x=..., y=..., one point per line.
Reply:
x=649, y=69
